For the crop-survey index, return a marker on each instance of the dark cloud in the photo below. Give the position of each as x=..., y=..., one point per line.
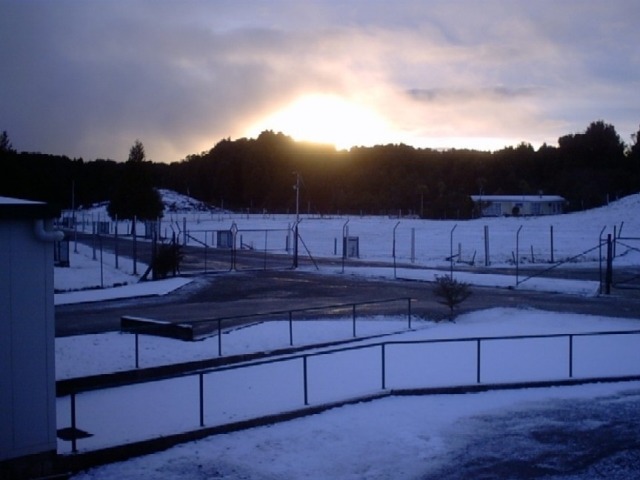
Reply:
x=88, y=78
x=499, y=93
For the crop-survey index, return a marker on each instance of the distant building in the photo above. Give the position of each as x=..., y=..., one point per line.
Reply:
x=499, y=205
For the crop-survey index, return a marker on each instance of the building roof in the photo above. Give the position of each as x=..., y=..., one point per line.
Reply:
x=518, y=198
x=17, y=208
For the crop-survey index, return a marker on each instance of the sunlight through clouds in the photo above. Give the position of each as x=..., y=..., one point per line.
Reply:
x=86, y=80
x=323, y=118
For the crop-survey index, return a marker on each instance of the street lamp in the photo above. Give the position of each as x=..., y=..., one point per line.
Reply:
x=296, y=187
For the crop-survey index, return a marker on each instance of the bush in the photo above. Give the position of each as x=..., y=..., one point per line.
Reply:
x=167, y=260
x=451, y=292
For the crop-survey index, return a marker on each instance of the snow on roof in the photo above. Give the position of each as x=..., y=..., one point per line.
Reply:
x=15, y=208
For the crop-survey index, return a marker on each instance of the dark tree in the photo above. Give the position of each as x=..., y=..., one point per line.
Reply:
x=5, y=143
x=451, y=292
x=135, y=195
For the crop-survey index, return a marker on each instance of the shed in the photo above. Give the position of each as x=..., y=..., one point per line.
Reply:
x=499, y=205
x=27, y=335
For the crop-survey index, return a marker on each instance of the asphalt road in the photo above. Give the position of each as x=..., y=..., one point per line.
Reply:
x=243, y=293
x=575, y=439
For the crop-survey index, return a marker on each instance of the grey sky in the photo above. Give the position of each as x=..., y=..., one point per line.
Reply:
x=88, y=78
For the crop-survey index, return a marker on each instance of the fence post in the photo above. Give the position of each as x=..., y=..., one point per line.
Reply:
x=219, y=337
x=609, y=274
x=600, y=257
x=184, y=229
x=413, y=245
x=409, y=312
x=266, y=233
x=115, y=242
x=393, y=249
x=487, y=262
x=135, y=246
x=551, y=236
x=451, y=249
x=517, y=259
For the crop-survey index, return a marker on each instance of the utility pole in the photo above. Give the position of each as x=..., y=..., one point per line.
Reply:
x=296, y=187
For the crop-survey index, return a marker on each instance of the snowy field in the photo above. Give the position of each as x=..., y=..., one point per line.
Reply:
x=571, y=237
x=385, y=439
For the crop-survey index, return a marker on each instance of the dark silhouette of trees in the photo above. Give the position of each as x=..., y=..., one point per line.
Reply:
x=588, y=168
x=135, y=196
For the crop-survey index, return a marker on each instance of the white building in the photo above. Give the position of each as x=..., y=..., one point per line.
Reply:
x=499, y=205
x=27, y=336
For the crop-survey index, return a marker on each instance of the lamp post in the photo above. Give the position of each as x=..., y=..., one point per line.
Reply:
x=296, y=187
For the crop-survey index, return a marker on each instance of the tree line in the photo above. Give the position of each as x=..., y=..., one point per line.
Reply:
x=588, y=169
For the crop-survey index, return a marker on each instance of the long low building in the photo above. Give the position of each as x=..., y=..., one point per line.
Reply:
x=506, y=205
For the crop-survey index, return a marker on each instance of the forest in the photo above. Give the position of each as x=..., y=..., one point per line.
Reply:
x=258, y=175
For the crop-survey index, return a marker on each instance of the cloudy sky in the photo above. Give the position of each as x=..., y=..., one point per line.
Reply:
x=87, y=78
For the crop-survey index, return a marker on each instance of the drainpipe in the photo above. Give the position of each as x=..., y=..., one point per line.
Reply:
x=45, y=233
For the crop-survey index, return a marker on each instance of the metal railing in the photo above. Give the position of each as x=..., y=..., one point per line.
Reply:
x=380, y=359
x=218, y=326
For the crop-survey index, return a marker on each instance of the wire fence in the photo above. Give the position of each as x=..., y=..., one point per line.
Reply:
x=524, y=250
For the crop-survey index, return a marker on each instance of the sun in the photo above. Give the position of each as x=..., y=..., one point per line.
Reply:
x=328, y=119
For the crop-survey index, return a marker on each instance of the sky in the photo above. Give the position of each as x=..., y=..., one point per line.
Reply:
x=88, y=78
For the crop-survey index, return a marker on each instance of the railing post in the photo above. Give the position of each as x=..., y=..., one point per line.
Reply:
x=304, y=379
x=478, y=362
x=74, y=446
x=201, y=397
x=219, y=337
x=384, y=366
x=290, y=328
x=137, y=348
x=354, y=319
x=409, y=312
x=570, y=356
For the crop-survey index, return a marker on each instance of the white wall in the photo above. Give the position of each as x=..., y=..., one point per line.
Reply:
x=27, y=332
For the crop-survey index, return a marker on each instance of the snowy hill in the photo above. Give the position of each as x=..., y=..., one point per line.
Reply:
x=175, y=202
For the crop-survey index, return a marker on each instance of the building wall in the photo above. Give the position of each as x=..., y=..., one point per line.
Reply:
x=499, y=206
x=27, y=333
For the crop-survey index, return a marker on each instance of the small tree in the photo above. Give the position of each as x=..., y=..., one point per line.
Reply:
x=450, y=292
x=135, y=196
x=5, y=143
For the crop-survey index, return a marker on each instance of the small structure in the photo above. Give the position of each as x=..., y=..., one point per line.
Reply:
x=27, y=336
x=515, y=205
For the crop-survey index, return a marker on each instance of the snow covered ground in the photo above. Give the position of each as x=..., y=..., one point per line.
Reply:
x=385, y=439
x=537, y=240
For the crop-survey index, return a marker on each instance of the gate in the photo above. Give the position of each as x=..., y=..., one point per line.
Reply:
x=627, y=276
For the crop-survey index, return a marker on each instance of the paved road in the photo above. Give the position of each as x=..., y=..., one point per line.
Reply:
x=578, y=439
x=220, y=295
